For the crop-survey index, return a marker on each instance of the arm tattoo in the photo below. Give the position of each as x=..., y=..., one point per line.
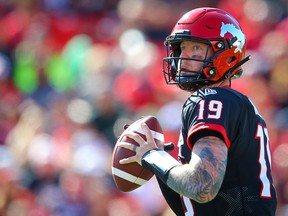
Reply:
x=201, y=179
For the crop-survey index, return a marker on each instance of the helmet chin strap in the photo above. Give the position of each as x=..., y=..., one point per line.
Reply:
x=223, y=83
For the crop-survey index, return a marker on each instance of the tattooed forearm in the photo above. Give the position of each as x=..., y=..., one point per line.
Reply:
x=201, y=179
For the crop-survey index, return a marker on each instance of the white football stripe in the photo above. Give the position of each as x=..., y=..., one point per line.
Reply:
x=127, y=176
x=155, y=134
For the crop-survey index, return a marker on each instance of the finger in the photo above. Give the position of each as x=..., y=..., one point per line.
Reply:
x=128, y=146
x=134, y=148
x=127, y=160
x=147, y=131
x=136, y=137
x=149, y=137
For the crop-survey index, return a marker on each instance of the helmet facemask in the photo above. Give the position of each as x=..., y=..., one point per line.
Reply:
x=189, y=80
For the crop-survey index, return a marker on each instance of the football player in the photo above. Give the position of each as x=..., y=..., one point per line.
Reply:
x=224, y=165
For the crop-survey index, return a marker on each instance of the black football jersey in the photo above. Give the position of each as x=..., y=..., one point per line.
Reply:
x=247, y=188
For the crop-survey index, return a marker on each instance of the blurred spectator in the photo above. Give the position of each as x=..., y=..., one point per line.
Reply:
x=106, y=115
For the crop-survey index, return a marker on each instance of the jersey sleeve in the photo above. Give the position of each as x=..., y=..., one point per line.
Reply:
x=215, y=114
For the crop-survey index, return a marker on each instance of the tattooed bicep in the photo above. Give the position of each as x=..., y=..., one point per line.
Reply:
x=212, y=149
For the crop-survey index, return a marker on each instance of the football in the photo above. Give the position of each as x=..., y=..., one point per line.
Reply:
x=128, y=177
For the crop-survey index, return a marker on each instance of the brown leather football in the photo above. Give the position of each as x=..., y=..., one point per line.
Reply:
x=128, y=177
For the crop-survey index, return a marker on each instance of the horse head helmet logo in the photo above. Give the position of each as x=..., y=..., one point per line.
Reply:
x=230, y=28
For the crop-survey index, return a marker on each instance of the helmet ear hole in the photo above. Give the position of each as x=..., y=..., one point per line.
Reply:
x=231, y=59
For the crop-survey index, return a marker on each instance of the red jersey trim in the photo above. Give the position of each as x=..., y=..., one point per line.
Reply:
x=214, y=127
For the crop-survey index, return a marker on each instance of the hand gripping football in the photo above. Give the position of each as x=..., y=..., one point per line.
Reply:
x=128, y=177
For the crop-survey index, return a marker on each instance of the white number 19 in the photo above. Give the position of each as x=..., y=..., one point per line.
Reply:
x=214, y=108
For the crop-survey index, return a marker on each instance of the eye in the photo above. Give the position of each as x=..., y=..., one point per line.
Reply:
x=197, y=47
x=182, y=48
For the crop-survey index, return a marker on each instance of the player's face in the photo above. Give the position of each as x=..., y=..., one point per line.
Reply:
x=195, y=50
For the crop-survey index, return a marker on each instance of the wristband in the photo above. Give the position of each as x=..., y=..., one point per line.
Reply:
x=159, y=162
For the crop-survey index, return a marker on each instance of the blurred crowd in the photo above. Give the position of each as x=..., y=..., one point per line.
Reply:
x=73, y=72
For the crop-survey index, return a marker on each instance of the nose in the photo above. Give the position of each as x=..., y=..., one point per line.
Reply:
x=190, y=62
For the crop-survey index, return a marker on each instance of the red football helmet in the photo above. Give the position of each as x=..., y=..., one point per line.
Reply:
x=220, y=31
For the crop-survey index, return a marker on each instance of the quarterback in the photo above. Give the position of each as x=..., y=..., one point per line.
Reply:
x=224, y=166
